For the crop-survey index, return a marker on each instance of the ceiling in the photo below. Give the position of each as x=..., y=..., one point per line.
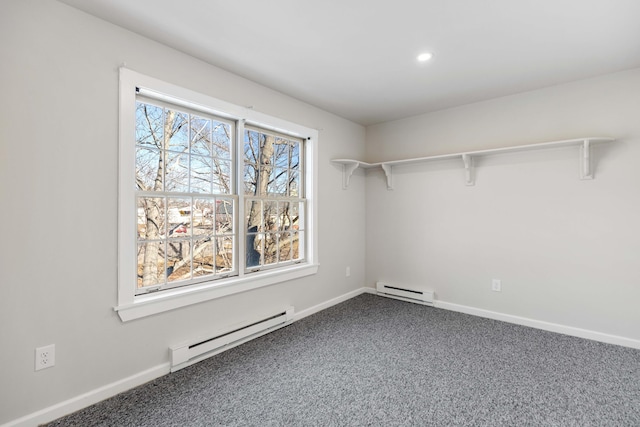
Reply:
x=357, y=58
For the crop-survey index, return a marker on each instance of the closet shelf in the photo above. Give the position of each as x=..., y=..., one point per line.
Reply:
x=586, y=169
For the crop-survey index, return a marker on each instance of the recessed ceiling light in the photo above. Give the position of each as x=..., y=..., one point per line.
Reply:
x=424, y=57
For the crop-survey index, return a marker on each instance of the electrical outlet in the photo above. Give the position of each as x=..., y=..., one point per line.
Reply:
x=348, y=273
x=496, y=285
x=45, y=357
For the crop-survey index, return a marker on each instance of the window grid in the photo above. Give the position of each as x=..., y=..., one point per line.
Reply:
x=274, y=203
x=185, y=207
x=185, y=169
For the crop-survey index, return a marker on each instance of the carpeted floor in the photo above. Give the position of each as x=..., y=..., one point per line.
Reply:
x=374, y=361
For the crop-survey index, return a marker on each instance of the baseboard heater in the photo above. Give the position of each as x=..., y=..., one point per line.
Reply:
x=405, y=293
x=187, y=354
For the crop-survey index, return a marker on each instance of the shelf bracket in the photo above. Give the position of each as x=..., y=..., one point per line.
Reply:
x=347, y=171
x=388, y=172
x=586, y=171
x=468, y=169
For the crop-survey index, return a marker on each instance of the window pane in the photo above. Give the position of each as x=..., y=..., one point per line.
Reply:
x=284, y=216
x=298, y=245
x=221, y=144
x=294, y=152
x=203, y=258
x=250, y=179
x=147, y=163
x=201, y=174
x=270, y=248
x=224, y=216
x=251, y=147
x=284, y=247
x=177, y=176
x=262, y=158
x=270, y=221
x=278, y=182
x=203, y=216
x=178, y=260
x=151, y=264
x=281, y=153
x=294, y=184
x=176, y=124
x=296, y=211
x=254, y=216
x=179, y=213
x=254, y=249
x=224, y=254
x=221, y=175
x=149, y=125
x=151, y=219
x=200, y=136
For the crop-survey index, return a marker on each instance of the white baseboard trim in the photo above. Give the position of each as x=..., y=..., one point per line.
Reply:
x=539, y=324
x=90, y=398
x=337, y=300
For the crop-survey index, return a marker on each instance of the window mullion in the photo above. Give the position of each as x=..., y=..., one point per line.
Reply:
x=238, y=183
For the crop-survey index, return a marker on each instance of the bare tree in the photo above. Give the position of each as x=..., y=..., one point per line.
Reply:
x=153, y=207
x=190, y=156
x=274, y=173
x=263, y=173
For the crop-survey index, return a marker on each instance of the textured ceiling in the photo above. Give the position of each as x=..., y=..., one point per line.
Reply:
x=356, y=58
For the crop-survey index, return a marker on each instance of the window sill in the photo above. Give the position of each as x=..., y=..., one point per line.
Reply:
x=150, y=304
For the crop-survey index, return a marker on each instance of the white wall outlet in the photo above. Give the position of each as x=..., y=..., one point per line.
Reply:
x=45, y=357
x=348, y=272
x=496, y=285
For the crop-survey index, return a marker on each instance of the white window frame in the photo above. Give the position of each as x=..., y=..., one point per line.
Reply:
x=131, y=306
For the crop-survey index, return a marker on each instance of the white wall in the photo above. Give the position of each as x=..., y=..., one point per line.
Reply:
x=567, y=251
x=58, y=189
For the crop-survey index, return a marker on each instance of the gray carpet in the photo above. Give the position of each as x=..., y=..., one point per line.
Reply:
x=374, y=361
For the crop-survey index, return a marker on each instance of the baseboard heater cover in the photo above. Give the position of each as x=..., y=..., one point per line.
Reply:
x=405, y=293
x=187, y=354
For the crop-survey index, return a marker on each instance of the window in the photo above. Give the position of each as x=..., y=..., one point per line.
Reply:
x=184, y=196
x=274, y=204
x=212, y=202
